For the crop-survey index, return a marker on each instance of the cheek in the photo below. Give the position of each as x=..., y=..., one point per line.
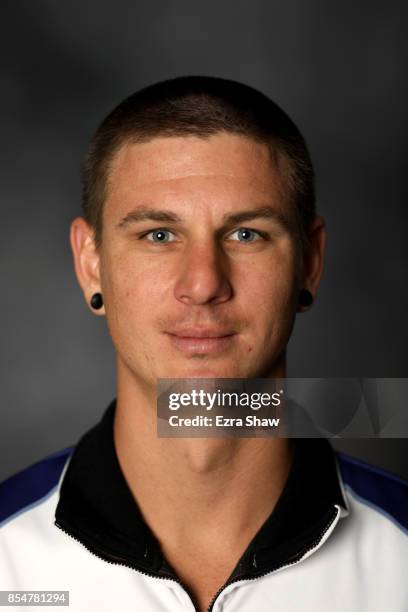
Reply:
x=128, y=276
x=268, y=307
x=134, y=299
x=269, y=304
x=269, y=292
x=134, y=292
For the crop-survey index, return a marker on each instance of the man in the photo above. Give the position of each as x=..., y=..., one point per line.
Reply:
x=199, y=244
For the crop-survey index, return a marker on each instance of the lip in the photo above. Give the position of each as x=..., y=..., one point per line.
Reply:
x=201, y=340
x=200, y=332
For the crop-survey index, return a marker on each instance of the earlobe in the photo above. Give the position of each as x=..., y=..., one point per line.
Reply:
x=86, y=260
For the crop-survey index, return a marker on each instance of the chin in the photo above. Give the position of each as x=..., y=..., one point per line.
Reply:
x=206, y=370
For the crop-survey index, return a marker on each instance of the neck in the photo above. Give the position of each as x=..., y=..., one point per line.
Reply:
x=205, y=496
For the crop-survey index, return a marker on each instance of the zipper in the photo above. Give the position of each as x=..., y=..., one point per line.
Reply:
x=118, y=561
x=292, y=561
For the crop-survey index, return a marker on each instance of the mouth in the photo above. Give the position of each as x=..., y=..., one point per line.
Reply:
x=201, y=341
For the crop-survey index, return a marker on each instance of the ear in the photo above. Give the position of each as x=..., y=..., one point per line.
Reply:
x=86, y=260
x=313, y=259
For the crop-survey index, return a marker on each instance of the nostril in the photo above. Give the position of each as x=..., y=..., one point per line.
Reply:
x=200, y=284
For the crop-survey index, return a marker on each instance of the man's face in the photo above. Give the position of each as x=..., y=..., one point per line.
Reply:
x=198, y=261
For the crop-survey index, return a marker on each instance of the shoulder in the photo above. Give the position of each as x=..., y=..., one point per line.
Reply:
x=32, y=486
x=369, y=487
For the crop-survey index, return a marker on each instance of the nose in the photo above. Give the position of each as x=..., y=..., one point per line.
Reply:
x=203, y=277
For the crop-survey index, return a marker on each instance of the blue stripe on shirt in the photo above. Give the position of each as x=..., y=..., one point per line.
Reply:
x=380, y=489
x=32, y=484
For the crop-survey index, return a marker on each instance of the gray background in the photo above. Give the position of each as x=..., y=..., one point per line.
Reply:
x=337, y=68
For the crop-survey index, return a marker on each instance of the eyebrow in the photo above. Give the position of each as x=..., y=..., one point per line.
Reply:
x=262, y=212
x=144, y=213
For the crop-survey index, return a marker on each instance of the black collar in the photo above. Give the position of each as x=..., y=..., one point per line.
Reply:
x=97, y=508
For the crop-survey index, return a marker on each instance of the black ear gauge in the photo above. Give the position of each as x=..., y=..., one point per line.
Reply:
x=96, y=301
x=305, y=298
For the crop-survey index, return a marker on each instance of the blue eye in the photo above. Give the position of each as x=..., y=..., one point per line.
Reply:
x=246, y=235
x=159, y=236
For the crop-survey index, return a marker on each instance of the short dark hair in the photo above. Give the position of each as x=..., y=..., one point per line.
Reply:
x=199, y=106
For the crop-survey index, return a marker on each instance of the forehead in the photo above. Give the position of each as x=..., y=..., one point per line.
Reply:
x=220, y=169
